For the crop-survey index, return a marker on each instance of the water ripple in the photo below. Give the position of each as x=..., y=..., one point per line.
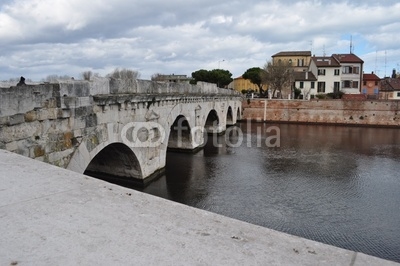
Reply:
x=336, y=185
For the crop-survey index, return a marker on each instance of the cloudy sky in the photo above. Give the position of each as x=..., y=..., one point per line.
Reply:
x=39, y=38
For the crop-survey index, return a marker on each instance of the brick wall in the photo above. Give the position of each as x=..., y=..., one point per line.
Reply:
x=368, y=112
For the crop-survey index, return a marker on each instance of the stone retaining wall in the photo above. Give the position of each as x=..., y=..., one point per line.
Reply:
x=348, y=112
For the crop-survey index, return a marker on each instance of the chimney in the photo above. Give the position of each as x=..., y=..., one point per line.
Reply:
x=394, y=73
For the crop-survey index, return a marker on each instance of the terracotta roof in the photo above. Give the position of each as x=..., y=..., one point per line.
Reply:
x=301, y=76
x=293, y=53
x=371, y=76
x=325, y=61
x=348, y=58
x=390, y=84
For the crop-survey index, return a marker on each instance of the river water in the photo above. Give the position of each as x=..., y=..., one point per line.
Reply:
x=333, y=184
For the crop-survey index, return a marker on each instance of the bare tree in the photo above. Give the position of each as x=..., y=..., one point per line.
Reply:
x=56, y=78
x=278, y=76
x=156, y=77
x=306, y=93
x=87, y=75
x=11, y=80
x=124, y=74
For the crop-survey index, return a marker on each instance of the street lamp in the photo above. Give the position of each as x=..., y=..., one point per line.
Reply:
x=219, y=62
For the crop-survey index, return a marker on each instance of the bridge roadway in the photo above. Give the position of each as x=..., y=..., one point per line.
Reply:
x=53, y=216
x=118, y=128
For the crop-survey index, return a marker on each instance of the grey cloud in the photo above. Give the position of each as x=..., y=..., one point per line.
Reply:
x=183, y=36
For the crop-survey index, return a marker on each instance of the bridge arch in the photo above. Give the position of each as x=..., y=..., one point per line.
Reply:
x=238, y=114
x=212, y=122
x=229, y=117
x=147, y=162
x=115, y=162
x=180, y=136
x=192, y=118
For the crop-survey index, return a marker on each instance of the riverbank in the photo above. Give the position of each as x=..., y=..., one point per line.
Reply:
x=52, y=216
x=338, y=112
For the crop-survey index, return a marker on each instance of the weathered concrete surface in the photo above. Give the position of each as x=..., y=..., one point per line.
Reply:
x=347, y=112
x=52, y=216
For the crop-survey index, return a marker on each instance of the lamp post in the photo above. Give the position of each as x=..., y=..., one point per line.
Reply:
x=219, y=62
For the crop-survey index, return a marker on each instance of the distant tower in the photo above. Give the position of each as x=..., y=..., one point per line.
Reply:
x=351, y=44
x=385, y=63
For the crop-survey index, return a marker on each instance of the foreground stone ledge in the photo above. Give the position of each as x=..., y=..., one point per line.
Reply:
x=52, y=216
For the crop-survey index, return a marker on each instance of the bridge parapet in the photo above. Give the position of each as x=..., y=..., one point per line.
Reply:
x=152, y=87
x=71, y=94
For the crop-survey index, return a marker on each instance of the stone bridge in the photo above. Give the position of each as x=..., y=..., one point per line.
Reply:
x=113, y=127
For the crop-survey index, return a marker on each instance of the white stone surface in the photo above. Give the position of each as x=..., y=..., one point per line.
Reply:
x=52, y=216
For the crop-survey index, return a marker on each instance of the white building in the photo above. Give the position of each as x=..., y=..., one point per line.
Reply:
x=327, y=70
x=352, y=71
x=306, y=82
x=331, y=74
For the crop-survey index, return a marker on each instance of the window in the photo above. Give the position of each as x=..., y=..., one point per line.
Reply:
x=346, y=83
x=321, y=86
x=337, y=72
x=376, y=91
x=376, y=83
x=349, y=84
x=301, y=84
x=365, y=83
x=351, y=70
x=300, y=62
x=312, y=85
x=398, y=94
x=321, y=72
x=364, y=91
x=336, y=86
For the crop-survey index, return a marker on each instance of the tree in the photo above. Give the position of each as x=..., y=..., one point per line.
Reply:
x=55, y=78
x=200, y=75
x=297, y=93
x=306, y=93
x=254, y=75
x=124, y=74
x=278, y=76
x=156, y=77
x=16, y=80
x=220, y=77
x=87, y=75
x=126, y=77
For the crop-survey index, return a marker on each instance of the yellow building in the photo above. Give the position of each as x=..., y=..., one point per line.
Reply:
x=240, y=84
x=300, y=60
